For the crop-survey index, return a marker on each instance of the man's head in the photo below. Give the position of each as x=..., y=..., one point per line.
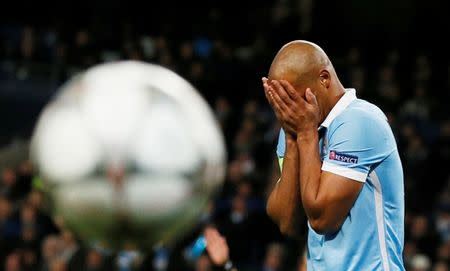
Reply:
x=305, y=65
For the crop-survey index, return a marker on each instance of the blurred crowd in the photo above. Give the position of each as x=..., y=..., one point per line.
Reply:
x=411, y=86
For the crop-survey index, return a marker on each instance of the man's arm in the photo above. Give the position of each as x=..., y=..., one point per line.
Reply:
x=326, y=197
x=303, y=260
x=283, y=204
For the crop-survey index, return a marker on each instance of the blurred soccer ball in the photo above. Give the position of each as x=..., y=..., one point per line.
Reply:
x=130, y=153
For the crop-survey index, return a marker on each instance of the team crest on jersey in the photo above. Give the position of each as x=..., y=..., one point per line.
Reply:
x=341, y=157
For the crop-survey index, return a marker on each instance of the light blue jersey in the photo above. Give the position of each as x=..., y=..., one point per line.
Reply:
x=358, y=143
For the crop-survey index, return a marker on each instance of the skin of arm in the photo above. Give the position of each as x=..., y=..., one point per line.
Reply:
x=326, y=197
x=284, y=204
x=303, y=260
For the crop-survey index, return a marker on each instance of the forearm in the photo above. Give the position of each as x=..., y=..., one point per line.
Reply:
x=303, y=261
x=284, y=204
x=309, y=173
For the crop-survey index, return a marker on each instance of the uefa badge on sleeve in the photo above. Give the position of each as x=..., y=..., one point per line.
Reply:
x=341, y=157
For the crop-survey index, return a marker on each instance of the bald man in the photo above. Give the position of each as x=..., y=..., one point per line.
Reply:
x=339, y=165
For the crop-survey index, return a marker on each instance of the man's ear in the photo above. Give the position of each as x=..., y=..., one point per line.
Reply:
x=325, y=78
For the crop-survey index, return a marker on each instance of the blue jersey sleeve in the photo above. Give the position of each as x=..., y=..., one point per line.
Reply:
x=357, y=142
x=281, y=146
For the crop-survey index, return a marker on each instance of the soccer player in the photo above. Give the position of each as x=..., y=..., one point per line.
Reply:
x=340, y=165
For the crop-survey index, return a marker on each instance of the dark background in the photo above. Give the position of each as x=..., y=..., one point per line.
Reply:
x=395, y=53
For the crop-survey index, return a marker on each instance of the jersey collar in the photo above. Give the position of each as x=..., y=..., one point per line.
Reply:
x=348, y=97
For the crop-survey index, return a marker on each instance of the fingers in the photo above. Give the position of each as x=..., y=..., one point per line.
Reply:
x=282, y=92
x=278, y=103
x=289, y=88
x=213, y=237
x=277, y=96
x=272, y=97
x=310, y=97
x=215, y=241
x=211, y=233
x=281, y=99
x=266, y=89
x=265, y=82
x=220, y=241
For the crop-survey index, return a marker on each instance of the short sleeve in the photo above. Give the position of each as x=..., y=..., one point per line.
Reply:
x=356, y=145
x=281, y=148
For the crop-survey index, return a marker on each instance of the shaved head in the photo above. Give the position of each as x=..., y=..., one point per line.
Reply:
x=305, y=65
x=299, y=62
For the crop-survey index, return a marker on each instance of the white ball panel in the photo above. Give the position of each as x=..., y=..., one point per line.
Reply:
x=203, y=127
x=156, y=196
x=164, y=142
x=112, y=107
x=63, y=147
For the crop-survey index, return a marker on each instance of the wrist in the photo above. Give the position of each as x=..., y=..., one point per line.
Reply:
x=308, y=135
x=291, y=148
x=290, y=140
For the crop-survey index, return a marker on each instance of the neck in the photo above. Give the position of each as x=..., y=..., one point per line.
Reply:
x=332, y=100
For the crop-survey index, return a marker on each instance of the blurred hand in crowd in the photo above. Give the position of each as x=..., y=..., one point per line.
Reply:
x=216, y=247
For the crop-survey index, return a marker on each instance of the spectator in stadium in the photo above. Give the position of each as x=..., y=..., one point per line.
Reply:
x=203, y=264
x=13, y=262
x=72, y=253
x=443, y=252
x=440, y=266
x=52, y=249
x=8, y=185
x=29, y=258
x=423, y=235
x=94, y=261
x=218, y=251
x=274, y=258
x=420, y=262
x=58, y=265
